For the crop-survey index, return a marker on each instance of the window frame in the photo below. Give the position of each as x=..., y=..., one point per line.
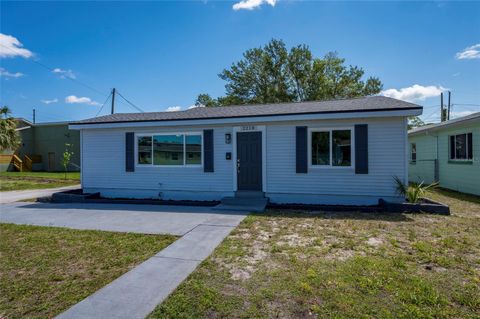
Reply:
x=184, y=134
x=468, y=151
x=330, y=130
x=412, y=146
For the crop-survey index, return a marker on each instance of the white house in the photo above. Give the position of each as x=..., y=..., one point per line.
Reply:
x=328, y=152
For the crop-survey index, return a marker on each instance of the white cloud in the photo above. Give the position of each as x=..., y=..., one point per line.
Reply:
x=10, y=47
x=252, y=4
x=5, y=73
x=72, y=99
x=414, y=93
x=64, y=73
x=194, y=106
x=472, y=52
x=173, y=108
x=50, y=101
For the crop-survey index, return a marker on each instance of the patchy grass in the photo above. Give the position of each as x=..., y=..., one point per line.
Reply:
x=10, y=181
x=292, y=264
x=45, y=270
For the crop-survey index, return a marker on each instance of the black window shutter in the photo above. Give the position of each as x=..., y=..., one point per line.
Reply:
x=301, y=149
x=452, y=147
x=361, y=149
x=208, y=151
x=470, y=145
x=130, y=152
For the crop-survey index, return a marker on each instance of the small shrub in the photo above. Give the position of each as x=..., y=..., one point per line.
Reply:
x=414, y=191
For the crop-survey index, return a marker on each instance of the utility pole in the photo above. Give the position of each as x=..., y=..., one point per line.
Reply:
x=33, y=116
x=113, y=100
x=441, y=107
x=448, y=112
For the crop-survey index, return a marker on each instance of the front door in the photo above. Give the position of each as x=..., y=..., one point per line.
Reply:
x=249, y=161
x=51, y=161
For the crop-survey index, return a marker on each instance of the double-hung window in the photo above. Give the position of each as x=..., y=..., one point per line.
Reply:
x=177, y=149
x=461, y=147
x=331, y=148
x=413, y=152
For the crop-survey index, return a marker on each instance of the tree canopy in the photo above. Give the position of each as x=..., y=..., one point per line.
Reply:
x=273, y=74
x=9, y=138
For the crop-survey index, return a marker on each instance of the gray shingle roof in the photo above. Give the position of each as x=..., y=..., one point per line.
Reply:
x=460, y=120
x=364, y=104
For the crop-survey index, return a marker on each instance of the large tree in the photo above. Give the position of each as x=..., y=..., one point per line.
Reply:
x=273, y=74
x=9, y=138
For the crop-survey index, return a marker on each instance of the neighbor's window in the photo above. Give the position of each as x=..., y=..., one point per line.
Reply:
x=413, y=152
x=170, y=150
x=461, y=147
x=331, y=148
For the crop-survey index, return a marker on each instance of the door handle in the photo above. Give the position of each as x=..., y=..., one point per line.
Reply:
x=238, y=165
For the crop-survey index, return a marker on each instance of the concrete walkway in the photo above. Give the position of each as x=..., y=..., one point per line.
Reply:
x=139, y=291
x=136, y=293
x=15, y=196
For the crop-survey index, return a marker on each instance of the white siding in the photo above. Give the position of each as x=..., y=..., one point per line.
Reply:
x=104, y=167
x=386, y=157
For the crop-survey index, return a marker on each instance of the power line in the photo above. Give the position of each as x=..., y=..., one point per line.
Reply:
x=466, y=104
x=52, y=70
x=133, y=105
x=101, y=108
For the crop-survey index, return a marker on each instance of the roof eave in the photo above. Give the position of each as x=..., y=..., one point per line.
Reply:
x=442, y=126
x=253, y=119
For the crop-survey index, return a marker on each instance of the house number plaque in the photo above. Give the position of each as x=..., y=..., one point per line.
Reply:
x=248, y=128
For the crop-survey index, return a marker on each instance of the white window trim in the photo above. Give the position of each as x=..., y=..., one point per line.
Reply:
x=455, y=145
x=330, y=129
x=185, y=134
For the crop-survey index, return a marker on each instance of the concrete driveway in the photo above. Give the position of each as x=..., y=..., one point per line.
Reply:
x=145, y=219
x=136, y=293
x=13, y=196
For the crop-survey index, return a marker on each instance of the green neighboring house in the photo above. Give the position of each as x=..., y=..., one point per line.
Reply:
x=45, y=144
x=448, y=152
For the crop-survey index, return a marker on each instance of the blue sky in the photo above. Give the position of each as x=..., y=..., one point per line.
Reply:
x=161, y=55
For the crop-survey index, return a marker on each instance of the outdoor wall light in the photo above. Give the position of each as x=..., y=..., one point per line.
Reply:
x=228, y=138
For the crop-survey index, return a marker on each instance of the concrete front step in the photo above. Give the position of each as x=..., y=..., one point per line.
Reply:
x=246, y=204
x=249, y=194
x=244, y=201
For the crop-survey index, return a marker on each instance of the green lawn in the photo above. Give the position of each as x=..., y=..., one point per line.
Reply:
x=10, y=181
x=290, y=264
x=45, y=270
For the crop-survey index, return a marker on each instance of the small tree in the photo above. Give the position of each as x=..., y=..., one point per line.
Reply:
x=67, y=155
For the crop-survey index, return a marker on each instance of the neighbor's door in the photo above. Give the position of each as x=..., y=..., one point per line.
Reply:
x=249, y=161
x=51, y=161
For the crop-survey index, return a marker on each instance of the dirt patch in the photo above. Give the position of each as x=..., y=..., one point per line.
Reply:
x=374, y=242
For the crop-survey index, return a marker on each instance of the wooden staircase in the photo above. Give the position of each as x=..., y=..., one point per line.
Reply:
x=17, y=163
x=26, y=164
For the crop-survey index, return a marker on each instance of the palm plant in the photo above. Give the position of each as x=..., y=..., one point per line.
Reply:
x=413, y=192
x=9, y=138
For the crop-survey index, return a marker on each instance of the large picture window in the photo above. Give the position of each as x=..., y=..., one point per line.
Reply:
x=331, y=148
x=461, y=147
x=184, y=149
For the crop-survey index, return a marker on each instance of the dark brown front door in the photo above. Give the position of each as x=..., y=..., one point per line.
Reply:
x=51, y=161
x=249, y=161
